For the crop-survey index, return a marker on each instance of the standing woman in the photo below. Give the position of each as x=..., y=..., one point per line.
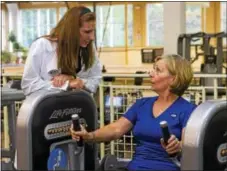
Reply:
x=66, y=57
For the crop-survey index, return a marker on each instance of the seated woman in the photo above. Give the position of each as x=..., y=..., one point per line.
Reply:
x=170, y=78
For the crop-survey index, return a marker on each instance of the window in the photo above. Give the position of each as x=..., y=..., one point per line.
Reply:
x=223, y=16
x=35, y=23
x=62, y=12
x=193, y=18
x=38, y=22
x=223, y=19
x=130, y=25
x=3, y=42
x=110, y=25
x=155, y=24
x=90, y=7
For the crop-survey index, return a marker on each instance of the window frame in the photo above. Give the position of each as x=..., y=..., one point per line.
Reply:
x=125, y=4
x=201, y=13
x=58, y=5
x=4, y=26
x=37, y=24
x=145, y=44
x=220, y=19
x=186, y=3
x=225, y=3
x=136, y=13
x=40, y=6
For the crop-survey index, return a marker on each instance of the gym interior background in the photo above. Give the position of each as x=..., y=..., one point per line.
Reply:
x=129, y=36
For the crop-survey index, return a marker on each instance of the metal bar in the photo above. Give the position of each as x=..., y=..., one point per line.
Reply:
x=94, y=7
x=203, y=95
x=5, y=153
x=187, y=50
x=111, y=116
x=180, y=44
x=149, y=87
x=141, y=75
x=6, y=127
x=215, y=89
x=147, y=75
x=101, y=114
x=4, y=80
x=12, y=127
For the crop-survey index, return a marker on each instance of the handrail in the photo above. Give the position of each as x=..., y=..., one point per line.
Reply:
x=134, y=75
x=147, y=75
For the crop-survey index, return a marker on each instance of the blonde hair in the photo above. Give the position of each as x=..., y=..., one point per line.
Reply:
x=181, y=69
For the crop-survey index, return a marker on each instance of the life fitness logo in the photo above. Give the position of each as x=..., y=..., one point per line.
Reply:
x=60, y=129
x=64, y=112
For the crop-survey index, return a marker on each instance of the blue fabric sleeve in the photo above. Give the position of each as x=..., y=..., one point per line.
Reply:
x=131, y=113
x=186, y=115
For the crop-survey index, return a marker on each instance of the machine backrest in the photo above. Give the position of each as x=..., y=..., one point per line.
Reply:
x=206, y=137
x=44, y=119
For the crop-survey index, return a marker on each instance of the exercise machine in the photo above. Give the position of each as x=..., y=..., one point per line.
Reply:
x=205, y=139
x=213, y=56
x=8, y=98
x=43, y=140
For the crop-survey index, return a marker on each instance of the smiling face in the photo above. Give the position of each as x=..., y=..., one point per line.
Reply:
x=87, y=33
x=161, y=79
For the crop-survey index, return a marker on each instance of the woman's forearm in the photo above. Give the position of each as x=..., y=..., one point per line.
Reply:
x=105, y=134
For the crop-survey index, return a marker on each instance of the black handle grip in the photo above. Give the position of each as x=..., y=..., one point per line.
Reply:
x=76, y=127
x=166, y=134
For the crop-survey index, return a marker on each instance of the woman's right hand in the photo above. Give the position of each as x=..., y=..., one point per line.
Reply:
x=59, y=80
x=76, y=135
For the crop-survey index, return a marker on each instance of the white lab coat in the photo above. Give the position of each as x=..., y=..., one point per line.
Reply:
x=42, y=58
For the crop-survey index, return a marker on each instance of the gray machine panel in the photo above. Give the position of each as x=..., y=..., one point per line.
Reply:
x=193, y=140
x=23, y=140
x=29, y=118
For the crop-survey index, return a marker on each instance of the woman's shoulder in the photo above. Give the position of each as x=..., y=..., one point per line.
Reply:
x=45, y=44
x=186, y=104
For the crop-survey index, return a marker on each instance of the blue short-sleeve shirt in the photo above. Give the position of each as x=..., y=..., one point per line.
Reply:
x=149, y=154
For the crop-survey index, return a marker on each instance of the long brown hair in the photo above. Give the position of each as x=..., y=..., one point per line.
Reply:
x=67, y=36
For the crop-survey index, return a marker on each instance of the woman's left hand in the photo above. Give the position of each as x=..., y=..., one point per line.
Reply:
x=173, y=146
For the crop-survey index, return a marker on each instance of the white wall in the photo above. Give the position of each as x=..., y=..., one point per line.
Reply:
x=174, y=25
